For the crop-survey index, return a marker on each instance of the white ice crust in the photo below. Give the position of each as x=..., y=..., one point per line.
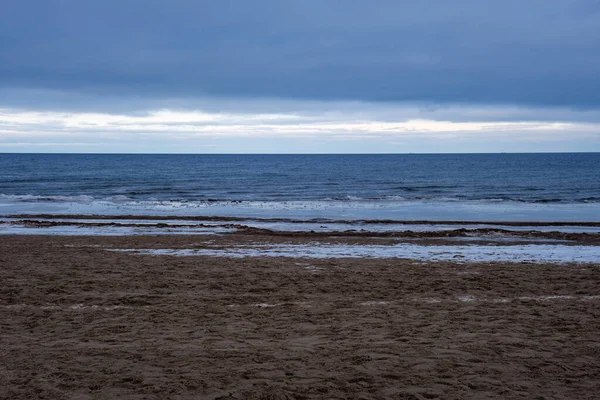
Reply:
x=540, y=253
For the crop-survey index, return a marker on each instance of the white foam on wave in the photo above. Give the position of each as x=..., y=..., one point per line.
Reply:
x=42, y=199
x=355, y=209
x=541, y=253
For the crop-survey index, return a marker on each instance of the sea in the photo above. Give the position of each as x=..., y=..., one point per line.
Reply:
x=432, y=207
x=473, y=187
x=401, y=187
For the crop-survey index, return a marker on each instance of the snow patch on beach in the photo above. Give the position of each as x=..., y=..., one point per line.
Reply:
x=375, y=303
x=541, y=253
x=265, y=305
x=82, y=230
x=99, y=226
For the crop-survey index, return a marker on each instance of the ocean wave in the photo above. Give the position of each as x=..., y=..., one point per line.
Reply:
x=155, y=201
x=424, y=187
x=345, y=198
x=29, y=198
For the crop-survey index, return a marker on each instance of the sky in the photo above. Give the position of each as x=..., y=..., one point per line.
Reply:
x=310, y=76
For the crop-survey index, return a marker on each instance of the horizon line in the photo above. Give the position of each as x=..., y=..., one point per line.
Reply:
x=291, y=154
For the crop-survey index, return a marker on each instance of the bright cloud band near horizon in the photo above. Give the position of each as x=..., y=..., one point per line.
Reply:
x=202, y=131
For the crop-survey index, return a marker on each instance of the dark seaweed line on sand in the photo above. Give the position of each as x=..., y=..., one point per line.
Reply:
x=249, y=230
x=298, y=221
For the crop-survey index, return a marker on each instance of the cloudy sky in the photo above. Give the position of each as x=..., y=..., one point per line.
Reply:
x=310, y=76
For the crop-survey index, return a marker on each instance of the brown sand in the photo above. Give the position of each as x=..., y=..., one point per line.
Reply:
x=77, y=321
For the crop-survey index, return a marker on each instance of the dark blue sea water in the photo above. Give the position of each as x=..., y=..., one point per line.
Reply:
x=380, y=186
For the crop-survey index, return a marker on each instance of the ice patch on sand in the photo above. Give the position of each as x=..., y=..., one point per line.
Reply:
x=539, y=253
x=81, y=307
x=82, y=230
x=374, y=303
x=265, y=305
x=546, y=298
x=588, y=298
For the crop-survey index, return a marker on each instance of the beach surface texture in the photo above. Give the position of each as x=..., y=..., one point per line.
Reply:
x=155, y=317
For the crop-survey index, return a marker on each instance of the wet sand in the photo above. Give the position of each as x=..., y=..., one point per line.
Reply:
x=214, y=218
x=78, y=321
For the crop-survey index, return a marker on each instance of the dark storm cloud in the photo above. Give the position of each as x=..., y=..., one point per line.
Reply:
x=534, y=52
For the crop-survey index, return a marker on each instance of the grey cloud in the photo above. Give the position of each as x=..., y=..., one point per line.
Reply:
x=514, y=52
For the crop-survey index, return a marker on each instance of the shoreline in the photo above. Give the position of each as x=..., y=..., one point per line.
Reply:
x=451, y=210
x=225, y=218
x=320, y=230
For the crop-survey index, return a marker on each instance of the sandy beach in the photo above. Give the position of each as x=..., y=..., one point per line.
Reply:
x=82, y=322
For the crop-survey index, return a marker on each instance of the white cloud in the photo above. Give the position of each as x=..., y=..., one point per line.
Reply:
x=334, y=121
